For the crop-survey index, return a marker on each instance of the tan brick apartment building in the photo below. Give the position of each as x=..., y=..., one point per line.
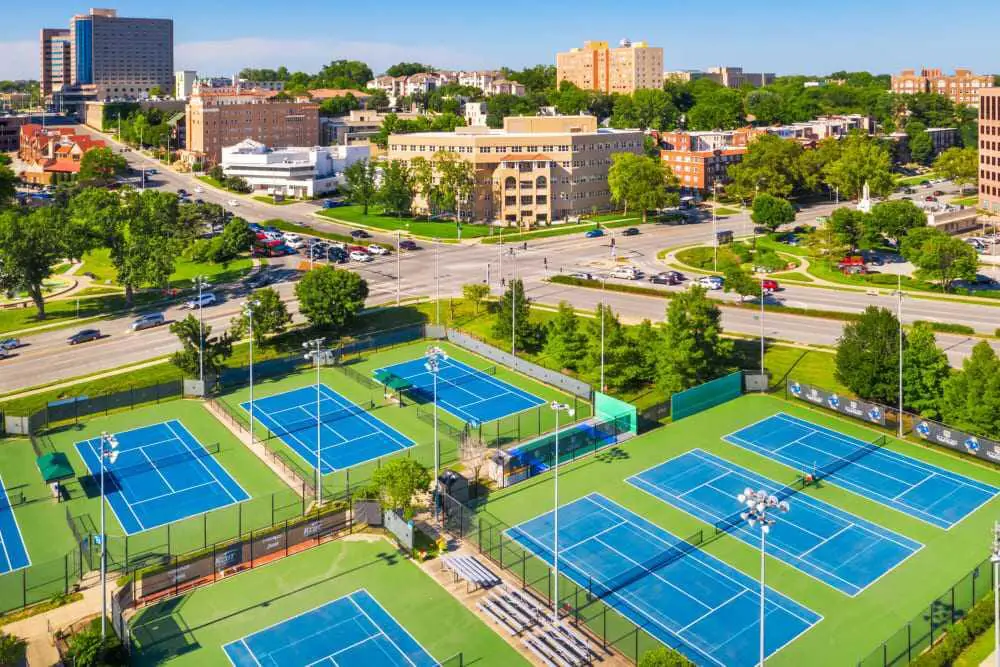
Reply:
x=629, y=67
x=989, y=149
x=218, y=117
x=535, y=170
x=962, y=87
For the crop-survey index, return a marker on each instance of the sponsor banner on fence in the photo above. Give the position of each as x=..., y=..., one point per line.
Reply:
x=831, y=400
x=940, y=434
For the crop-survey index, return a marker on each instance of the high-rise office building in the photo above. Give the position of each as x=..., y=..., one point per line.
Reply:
x=629, y=67
x=110, y=56
x=56, y=59
x=989, y=149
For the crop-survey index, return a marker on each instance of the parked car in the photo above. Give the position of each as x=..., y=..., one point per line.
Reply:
x=770, y=285
x=666, y=278
x=332, y=203
x=359, y=256
x=630, y=231
x=84, y=336
x=254, y=227
x=594, y=233
x=625, y=273
x=335, y=254
x=260, y=279
x=291, y=236
x=939, y=193
x=206, y=299
x=233, y=202
x=151, y=171
x=582, y=275
x=198, y=189
x=930, y=198
x=297, y=243
x=148, y=321
x=360, y=234
x=711, y=282
x=10, y=343
x=377, y=250
x=407, y=244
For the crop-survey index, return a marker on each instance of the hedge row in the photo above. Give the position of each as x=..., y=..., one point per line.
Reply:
x=959, y=637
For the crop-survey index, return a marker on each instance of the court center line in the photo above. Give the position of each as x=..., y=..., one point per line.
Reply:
x=113, y=493
x=197, y=458
x=372, y=621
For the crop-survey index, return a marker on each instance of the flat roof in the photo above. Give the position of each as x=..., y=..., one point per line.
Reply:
x=516, y=135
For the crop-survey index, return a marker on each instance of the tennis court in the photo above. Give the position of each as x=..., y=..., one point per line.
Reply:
x=474, y=396
x=684, y=597
x=825, y=542
x=13, y=554
x=352, y=631
x=163, y=474
x=348, y=434
x=922, y=490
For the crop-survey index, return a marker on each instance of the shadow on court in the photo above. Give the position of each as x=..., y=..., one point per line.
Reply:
x=161, y=631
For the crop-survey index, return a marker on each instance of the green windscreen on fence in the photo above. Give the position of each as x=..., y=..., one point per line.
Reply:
x=606, y=407
x=704, y=396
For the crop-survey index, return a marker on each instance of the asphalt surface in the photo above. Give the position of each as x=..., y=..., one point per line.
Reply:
x=443, y=268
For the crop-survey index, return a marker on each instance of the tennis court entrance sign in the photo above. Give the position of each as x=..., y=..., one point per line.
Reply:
x=852, y=407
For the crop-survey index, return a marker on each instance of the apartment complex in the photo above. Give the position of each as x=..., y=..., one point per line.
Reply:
x=52, y=154
x=56, y=58
x=962, y=87
x=624, y=69
x=292, y=172
x=10, y=132
x=184, y=82
x=219, y=117
x=989, y=149
x=535, y=170
x=730, y=77
x=357, y=127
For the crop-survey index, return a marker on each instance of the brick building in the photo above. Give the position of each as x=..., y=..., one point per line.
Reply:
x=962, y=87
x=624, y=69
x=989, y=149
x=52, y=154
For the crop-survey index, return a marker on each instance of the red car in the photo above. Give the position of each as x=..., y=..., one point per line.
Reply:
x=770, y=285
x=357, y=248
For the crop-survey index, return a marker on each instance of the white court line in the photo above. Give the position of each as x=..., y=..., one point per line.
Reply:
x=713, y=610
x=155, y=467
x=20, y=536
x=381, y=630
x=207, y=469
x=375, y=424
x=121, y=492
x=322, y=424
x=165, y=495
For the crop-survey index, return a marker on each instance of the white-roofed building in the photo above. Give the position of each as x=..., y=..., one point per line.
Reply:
x=292, y=172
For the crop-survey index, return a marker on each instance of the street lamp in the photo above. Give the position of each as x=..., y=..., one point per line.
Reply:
x=759, y=506
x=557, y=407
x=398, y=275
x=604, y=282
x=248, y=312
x=437, y=283
x=715, y=224
x=899, y=316
x=200, y=282
x=314, y=349
x=763, y=384
x=435, y=356
x=995, y=559
x=109, y=453
x=513, y=308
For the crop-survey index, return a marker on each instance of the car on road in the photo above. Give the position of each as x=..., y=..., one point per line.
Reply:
x=150, y=170
x=147, y=321
x=667, y=278
x=337, y=254
x=711, y=282
x=360, y=234
x=360, y=256
x=770, y=285
x=594, y=233
x=206, y=299
x=233, y=202
x=84, y=336
x=182, y=192
x=199, y=189
x=376, y=249
x=407, y=244
x=925, y=183
x=10, y=343
x=333, y=203
x=260, y=279
x=938, y=193
x=930, y=198
x=625, y=272
x=630, y=231
x=582, y=275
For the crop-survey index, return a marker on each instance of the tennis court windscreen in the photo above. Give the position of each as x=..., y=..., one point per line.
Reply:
x=704, y=396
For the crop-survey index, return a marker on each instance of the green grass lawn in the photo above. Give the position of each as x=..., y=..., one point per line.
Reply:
x=914, y=180
x=269, y=199
x=793, y=275
x=723, y=210
x=99, y=263
x=192, y=629
x=971, y=200
x=354, y=215
x=851, y=627
x=980, y=649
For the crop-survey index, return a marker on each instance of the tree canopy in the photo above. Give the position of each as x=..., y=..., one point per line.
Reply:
x=642, y=183
x=868, y=356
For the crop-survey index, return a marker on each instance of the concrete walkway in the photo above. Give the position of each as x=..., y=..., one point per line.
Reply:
x=36, y=629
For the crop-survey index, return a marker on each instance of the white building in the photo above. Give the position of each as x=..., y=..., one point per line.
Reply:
x=292, y=172
x=475, y=114
x=184, y=83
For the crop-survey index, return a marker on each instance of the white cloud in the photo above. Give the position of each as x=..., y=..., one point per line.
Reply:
x=228, y=56
x=19, y=60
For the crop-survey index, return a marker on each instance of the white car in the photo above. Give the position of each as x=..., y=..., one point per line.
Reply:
x=291, y=237
x=208, y=299
x=625, y=273
x=233, y=202
x=337, y=244
x=199, y=189
x=711, y=282
x=295, y=243
x=358, y=256
x=377, y=250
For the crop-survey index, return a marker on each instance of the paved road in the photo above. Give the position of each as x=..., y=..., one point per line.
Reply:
x=444, y=268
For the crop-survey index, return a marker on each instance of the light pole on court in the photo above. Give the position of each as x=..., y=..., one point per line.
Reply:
x=314, y=351
x=557, y=407
x=200, y=281
x=248, y=313
x=435, y=355
x=109, y=453
x=398, y=275
x=760, y=505
x=899, y=317
x=995, y=559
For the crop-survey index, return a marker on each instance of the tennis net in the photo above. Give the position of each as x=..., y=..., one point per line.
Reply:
x=325, y=418
x=132, y=467
x=671, y=554
x=15, y=498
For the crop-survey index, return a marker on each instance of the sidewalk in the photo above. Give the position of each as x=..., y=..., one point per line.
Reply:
x=35, y=629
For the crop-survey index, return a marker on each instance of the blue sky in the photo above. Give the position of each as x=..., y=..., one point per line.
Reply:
x=785, y=36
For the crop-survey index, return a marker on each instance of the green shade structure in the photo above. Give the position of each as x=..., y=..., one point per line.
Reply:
x=54, y=467
x=392, y=381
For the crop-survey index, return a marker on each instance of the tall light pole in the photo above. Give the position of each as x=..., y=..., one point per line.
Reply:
x=109, y=453
x=248, y=312
x=398, y=275
x=762, y=329
x=899, y=316
x=437, y=282
x=715, y=224
x=500, y=257
x=759, y=507
x=435, y=355
x=604, y=282
x=557, y=407
x=995, y=559
x=200, y=281
x=513, y=308
x=314, y=351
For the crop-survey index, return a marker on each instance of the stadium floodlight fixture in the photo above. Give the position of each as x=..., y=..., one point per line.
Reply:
x=435, y=356
x=109, y=453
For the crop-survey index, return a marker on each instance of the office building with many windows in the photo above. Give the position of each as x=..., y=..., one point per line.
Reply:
x=989, y=149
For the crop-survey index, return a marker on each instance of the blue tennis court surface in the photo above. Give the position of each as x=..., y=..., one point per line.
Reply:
x=163, y=474
x=470, y=394
x=352, y=631
x=13, y=554
x=684, y=597
x=823, y=541
x=349, y=435
x=922, y=490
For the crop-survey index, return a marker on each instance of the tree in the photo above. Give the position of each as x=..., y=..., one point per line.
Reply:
x=475, y=293
x=270, y=316
x=641, y=182
x=407, y=69
x=739, y=281
x=894, y=219
x=396, y=192
x=453, y=186
x=422, y=177
x=331, y=299
x=236, y=239
x=565, y=341
x=721, y=109
x=378, y=99
x=515, y=311
x=925, y=372
x=959, y=165
x=939, y=256
x=361, y=186
x=862, y=160
x=868, y=355
x=398, y=481
x=812, y=164
x=692, y=350
x=8, y=184
x=921, y=147
x=662, y=656
x=30, y=245
x=647, y=109
x=188, y=358
x=771, y=212
x=12, y=649
x=622, y=354
x=100, y=166
x=769, y=166
x=156, y=91
x=848, y=226
x=972, y=396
